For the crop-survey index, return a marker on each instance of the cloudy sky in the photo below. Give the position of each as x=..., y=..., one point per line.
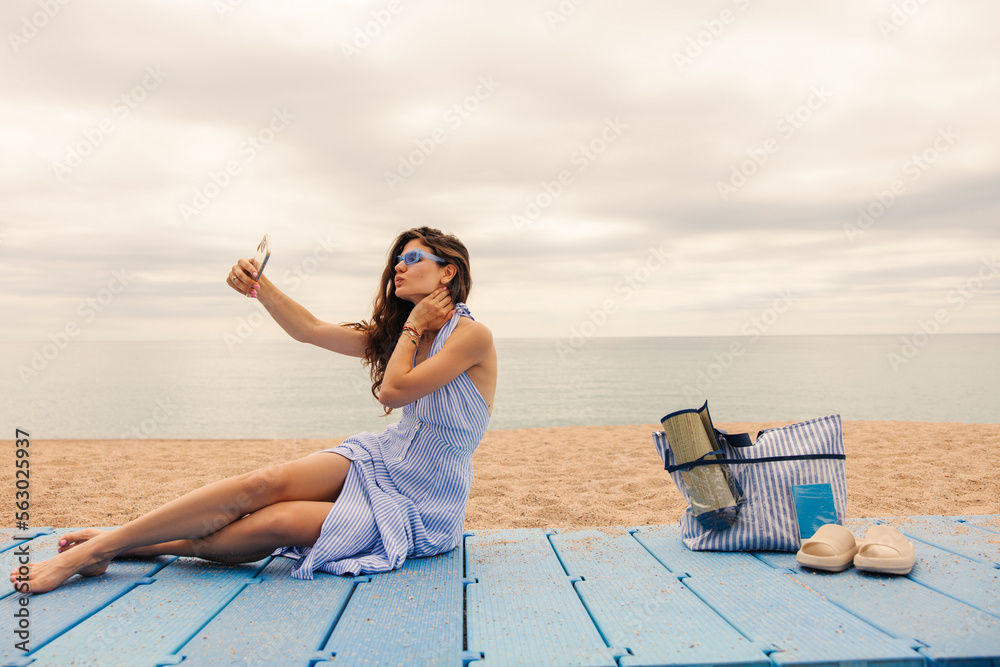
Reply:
x=616, y=168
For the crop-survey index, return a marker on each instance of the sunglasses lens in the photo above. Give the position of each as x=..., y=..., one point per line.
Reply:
x=412, y=257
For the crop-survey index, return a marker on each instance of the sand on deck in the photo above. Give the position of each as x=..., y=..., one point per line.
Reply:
x=544, y=477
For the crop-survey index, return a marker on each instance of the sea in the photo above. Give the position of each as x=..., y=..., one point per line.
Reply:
x=262, y=389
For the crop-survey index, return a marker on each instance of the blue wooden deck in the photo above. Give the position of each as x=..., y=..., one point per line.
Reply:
x=610, y=596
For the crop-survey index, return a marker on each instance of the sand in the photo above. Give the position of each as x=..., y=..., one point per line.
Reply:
x=546, y=477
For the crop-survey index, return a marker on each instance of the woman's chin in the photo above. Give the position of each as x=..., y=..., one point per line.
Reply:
x=407, y=296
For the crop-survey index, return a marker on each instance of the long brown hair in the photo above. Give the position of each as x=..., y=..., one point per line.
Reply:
x=389, y=312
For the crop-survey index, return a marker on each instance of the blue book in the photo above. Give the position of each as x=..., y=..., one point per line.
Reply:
x=814, y=507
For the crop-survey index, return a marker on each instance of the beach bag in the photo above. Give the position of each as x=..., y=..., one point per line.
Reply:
x=764, y=495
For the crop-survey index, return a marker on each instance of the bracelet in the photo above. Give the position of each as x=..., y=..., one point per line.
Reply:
x=408, y=329
x=410, y=333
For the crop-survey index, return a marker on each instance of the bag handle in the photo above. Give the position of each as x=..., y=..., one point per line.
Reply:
x=734, y=439
x=767, y=459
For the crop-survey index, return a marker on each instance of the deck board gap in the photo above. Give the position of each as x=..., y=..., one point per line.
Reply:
x=325, y=638
x=881, y=628
x=213, y=613
x=943, y=547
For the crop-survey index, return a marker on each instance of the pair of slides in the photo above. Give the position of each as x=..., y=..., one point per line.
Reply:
x=884, y=550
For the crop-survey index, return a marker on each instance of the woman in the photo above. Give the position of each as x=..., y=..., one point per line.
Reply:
x=373, y=501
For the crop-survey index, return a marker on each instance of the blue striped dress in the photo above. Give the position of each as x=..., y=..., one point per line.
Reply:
x=406, y=490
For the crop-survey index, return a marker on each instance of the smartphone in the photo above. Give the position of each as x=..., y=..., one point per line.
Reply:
x=263, y=254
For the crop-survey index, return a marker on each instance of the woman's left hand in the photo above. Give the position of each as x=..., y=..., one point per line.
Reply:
x=433, y=311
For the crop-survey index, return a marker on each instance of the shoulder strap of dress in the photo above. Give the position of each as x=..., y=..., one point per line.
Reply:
x=461, y=310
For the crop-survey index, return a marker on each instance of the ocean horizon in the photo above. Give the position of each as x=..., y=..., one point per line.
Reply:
x=282, y=389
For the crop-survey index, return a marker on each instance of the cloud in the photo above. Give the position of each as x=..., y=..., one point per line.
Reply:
x=495, y=120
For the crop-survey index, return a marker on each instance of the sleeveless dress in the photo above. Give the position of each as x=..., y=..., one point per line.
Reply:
x=407, y=488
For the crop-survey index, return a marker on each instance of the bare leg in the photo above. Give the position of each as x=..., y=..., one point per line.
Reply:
x=294, y=523
x=318, y=477
x=172, y=548
x=78, y=537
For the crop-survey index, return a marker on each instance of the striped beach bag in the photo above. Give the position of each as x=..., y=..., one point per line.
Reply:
x=764, y=495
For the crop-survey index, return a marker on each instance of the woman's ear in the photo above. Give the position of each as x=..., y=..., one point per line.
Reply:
x=449, y=274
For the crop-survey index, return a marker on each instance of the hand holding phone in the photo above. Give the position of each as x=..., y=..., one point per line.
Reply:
x=263, y=254
x=243, y=279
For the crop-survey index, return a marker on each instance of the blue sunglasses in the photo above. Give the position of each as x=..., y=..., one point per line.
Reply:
x=413, y=256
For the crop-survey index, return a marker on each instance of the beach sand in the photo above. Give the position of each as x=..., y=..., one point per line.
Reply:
x=544, y=477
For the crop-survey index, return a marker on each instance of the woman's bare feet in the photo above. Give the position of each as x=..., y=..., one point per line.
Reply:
x=76, y=558
x=47, y=575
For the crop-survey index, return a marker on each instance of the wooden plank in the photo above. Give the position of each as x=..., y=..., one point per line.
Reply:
x=9, y=536
x=963, y=538
x=522, y=609
x=152, y=621
x=990, y=522
x=275, y=620
x=538, y=599
x=54, y=613
x=975, y=583
x=948, y=630
x=409, y=616
x=772, y=609
x=642, y=608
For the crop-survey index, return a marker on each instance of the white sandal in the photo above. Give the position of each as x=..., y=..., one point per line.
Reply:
x=832, y=548
x=885, y=550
